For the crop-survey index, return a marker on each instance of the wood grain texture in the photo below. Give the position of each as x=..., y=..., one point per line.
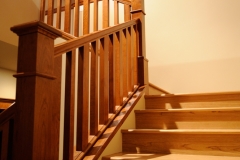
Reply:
x=94, y=89
x=56, y=93
x=76, y=19
x=129, y=60
x=128, y=2
x=104, y=80
x=116, y=57
x=4, y=139
x=224, y=99
x=68, y=144
x=50, y=12
x=127, y=15
x=95, y=24
x=116, y=12
x=58, y=18
x=77, y=42
x=134, y=54
x=192, y=142
x=210, y=118
x=7, y=119
x=42, y=10
x=113, y=126
x=124, y=63
x=33, y=103
x=67, y=17
x=105, y=13
x=5, y=103
x=171, y=156
x=111, y=75
x=86, y=16
x=83, y=98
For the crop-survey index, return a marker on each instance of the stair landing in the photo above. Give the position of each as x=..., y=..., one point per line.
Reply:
x=142, y=156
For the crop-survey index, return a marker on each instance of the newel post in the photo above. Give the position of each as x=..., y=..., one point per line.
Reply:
x=34, y=99
x=138, y=12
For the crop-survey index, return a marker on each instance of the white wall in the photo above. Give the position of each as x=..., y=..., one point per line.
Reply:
x=7, y=84
x=193, y=45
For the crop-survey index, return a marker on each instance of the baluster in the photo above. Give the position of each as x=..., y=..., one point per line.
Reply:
x=69, y=106
x=42, y=11
x=135, y=54
x=111, y=76
x=57, y=82
x=50, y=12
x=105, y=13
x=129, y=56
x=116, y=12
x=116, y=57
x=58, y=19
x=104, y=81
x=76, y=18
x=124, y=63
x=68, y=144
x=67, y=19
x=94, y=89
x=83, y=97
x=95, y=28
x=127, y=15
x=86, y=10
x=4, y=139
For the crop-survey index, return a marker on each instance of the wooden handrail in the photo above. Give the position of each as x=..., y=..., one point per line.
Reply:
x=74, y=43
x=127, y=2
x=66, y=35
x=7, y=100
x=5, y=103
x=7, y=114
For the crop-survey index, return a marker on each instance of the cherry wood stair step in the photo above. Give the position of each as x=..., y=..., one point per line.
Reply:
x=147, y=156
x=203, y=142
x=203, y=100
x=188, y=118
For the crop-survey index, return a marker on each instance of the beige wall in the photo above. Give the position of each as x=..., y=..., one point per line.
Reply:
x=193, y=45
x=16, y=12
x=7, y=84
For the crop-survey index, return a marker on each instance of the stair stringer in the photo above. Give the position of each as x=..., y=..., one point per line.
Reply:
x=115, y=145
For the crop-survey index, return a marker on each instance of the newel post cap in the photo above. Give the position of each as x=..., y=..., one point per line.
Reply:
x=36, y=26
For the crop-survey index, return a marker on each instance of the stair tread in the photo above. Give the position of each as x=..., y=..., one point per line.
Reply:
x=142, y=156
x=189, y=109
x=183, y=131
x=192, y=94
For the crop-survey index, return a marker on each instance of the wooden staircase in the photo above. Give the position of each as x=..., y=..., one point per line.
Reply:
x=187, y=126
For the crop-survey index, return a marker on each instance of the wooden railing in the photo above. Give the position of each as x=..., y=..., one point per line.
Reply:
x=82, y=17
x=6, y=132
x=95, y=72
x=110, y=81
x=5, y=103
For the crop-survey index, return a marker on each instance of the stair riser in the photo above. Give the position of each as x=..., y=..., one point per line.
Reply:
x=188, y=120
x=206, y=144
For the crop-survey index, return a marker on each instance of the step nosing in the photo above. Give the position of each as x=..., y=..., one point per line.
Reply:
x=188, y=110
x=184, y=131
